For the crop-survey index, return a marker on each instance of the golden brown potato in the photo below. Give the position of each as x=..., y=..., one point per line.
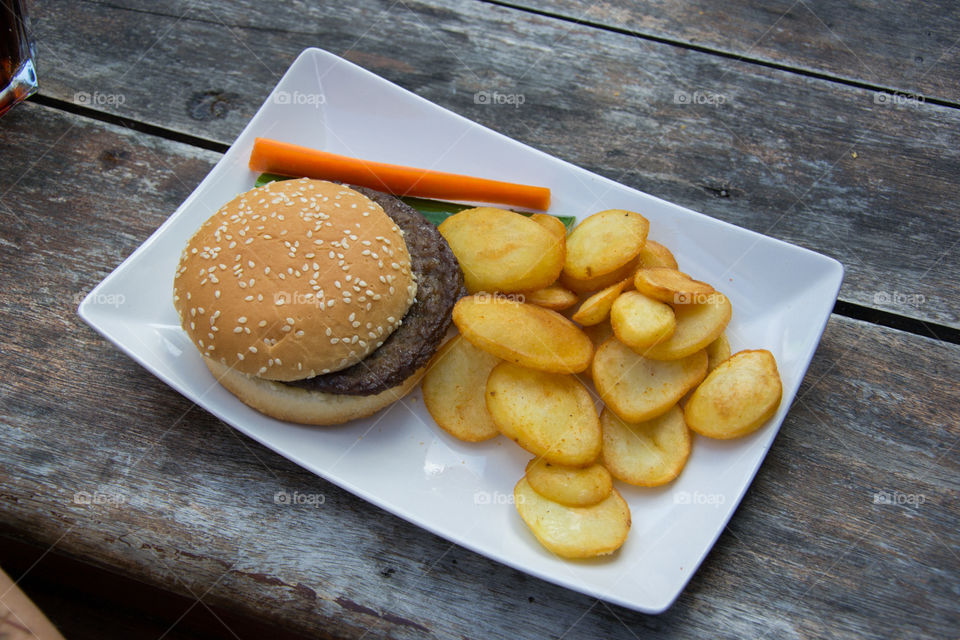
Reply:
x=717, y=352
x=604, y=242
x=574, y=532
x=453, y=390
x=638, y=388
x=598, y=333
x=670, y=285
x=697, y=326
x=640, y=322
x=655, y=254
x=523, y=333
x=500, y=250
x=553, y=297
x=570, y=486
x=737, y=397
x=551, y=415
x=596, y=308
x=551, y=224
x=647, y=454
x=589, y=285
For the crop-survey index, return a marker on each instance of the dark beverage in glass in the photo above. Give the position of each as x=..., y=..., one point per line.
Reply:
x=18, y=77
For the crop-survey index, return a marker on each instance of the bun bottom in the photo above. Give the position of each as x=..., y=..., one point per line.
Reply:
x=304, y=406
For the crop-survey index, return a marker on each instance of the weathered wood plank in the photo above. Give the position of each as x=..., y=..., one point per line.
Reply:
x=188, y=504
x=809, y=161
x=906, y=47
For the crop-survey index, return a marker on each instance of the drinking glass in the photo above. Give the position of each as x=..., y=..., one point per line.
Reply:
x=18, y=77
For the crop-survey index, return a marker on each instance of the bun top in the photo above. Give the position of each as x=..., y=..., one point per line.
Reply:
x=294, y=279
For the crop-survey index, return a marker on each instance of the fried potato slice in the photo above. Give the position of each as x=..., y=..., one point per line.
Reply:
x=655, y=254
x=604, y=242
x=551, y=415
x=588, y=285
x=551, y=224
x=596, y=308
x=574, y=532
x=670, y=285
x=740, y=395
x=640, y=322
x=453, y=390
x=599, y=333
x=647, y=454
x=523, y=333
x=697, y=326
x=638, y=388
x=500, y=250
x=553, y=297
x=570, y=486
x=717, y=352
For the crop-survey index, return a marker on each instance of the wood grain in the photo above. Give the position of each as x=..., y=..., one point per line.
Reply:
x=186, y=503
x=805, y=160
x=906, y=47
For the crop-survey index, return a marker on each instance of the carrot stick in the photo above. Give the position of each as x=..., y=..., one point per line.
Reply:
x=273, y=156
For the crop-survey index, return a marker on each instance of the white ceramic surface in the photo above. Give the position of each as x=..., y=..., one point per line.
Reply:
x=782, y=296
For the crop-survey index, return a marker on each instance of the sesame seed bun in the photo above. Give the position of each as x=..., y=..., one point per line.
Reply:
x=285, y=402
x=292, y=280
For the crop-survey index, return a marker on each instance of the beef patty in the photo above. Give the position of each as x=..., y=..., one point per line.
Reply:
x=439, y=286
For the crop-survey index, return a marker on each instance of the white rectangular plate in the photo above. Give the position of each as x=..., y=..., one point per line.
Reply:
x=400, y=460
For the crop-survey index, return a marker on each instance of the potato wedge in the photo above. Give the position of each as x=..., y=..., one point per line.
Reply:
x=523, y=333
x=553, y=297
x=717, y=352
x=646, y=454
x=551, y=224
x=638, y=388
x=655, y=254
x=697, y=326
x=670, y=285
x=453, y=390
x=574, y=532
x=596, y=308
x=588, y=285
x=500, y=250
x=550, y=415
x=740, y=395
x=640, y=322
x=570, y=486
x=604, y=242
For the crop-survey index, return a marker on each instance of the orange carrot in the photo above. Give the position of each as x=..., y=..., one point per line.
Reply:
x=273, y=156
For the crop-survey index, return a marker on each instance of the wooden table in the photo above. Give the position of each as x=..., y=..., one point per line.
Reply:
x=839, y=131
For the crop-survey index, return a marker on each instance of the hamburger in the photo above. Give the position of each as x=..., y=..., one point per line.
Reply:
x=316, y=302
